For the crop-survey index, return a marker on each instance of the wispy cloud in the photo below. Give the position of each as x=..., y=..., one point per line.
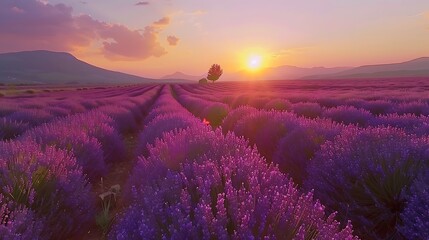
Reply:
x=32, y=24
x=199, y=12
x=162, y=21
x=142, y=3
x=172, y=40
x=289, y=51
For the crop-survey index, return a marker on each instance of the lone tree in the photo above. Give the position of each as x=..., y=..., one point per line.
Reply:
x=214, y=72
x=203, y=80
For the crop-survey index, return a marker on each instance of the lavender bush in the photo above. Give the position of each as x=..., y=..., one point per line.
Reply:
x=215, y=113
x=199, y=187
x=410, y=123
x=124, y=119
x=307, y=109
x=161, y=124
x=10, y=129
x=86, y=149
x=171, y=106
x=364, y=175
x=415, y=107
x=7, y=108
x=378, y=107
x=167, y=114
x=19, y=222
x=415, y=215
x=102, y=127
x=43, y=191
x=265, y=129
x=278, y=104
x=234, y=116
x=348, y=115
x=239, y=101
x=297, y=147
x=33, y=117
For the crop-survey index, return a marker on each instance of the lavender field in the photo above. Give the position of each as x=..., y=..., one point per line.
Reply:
x=314, y=159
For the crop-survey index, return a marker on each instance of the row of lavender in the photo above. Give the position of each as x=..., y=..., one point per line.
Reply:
x=413, y=117
x=47, y=173
x=363, y=173
x=378, y=101
x=21, y=113
x=329, y=93
x=191, y=182
x=374, y=176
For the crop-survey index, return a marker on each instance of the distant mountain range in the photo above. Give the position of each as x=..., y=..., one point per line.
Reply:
x=415, y=68
x=46, y=67
x=182, y=76
x=283, y=73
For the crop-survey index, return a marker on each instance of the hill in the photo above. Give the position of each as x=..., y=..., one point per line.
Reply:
x=46, y=67
x=415, y=68
x=285, y=72
x=182, y=76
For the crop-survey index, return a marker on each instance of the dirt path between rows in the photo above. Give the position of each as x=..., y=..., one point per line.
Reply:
x=119, y=173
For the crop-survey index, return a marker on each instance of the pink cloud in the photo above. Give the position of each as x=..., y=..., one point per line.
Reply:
x=142, y=3
x=162, y=21
x=172, y=40
x=29, y=25
x=131, y=44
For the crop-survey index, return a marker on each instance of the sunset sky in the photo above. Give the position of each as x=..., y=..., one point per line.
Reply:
x=158, y=37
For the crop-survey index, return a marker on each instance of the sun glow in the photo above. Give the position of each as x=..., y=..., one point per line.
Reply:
x=254, y=62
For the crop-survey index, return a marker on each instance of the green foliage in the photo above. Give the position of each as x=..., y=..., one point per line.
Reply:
x=215, y=114
x=214, y=73
x=32, y=193
x=202, y=81
x=104, y=219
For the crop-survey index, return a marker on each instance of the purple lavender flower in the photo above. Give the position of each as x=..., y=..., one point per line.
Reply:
x=364, y=175
x=33, y=117
x=410, y=123
x=265, y=129
x=378, y=107
x=86, y=149
x=10, y=129
x=296, y=148
x=307, y=109
x=278, y=104
x=102, y=127
x=215, y=113
x=348, y=115
x=416, y=107
x=124, y=119
x=199, y=184
x=162, y=124
x=234, y=116
x=415, y=217
x=43, y=191
x=21, y=223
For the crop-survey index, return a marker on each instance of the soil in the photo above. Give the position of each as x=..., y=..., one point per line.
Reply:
x=118, y=174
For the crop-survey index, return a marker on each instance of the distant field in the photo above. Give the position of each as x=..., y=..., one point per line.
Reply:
x=331, y=159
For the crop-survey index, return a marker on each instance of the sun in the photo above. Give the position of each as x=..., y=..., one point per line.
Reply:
x=254, y=62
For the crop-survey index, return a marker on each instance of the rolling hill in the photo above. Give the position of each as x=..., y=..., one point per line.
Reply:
x=415, y=68
x=285, y=72
x=46, y=67
x=182, y=76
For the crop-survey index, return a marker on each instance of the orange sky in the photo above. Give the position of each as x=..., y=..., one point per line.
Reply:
x=156, y=38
